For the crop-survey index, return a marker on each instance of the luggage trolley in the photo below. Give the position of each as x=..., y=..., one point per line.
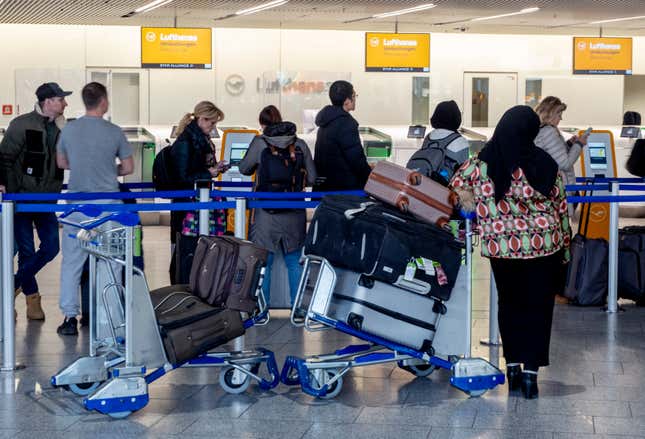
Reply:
x=322, y=375
x=126, y=351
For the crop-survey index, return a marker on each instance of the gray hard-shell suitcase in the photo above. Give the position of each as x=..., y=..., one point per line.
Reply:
x=190, y=327
x=384, y=310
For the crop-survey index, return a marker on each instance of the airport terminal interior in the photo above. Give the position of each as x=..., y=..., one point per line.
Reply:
x=159, y=58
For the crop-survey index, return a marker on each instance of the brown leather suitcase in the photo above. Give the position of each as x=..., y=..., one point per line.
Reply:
x=226, y=272
x=411, y=192
x=190, y=327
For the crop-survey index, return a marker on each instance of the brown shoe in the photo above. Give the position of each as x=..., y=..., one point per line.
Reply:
x=561, y=300
x=34, y=310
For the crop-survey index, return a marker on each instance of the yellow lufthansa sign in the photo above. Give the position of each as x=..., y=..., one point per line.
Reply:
x=602, y=56
x=397, y=52
x=176, y=48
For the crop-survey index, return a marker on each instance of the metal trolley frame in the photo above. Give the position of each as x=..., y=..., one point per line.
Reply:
x=322, y=375
x=115, y=375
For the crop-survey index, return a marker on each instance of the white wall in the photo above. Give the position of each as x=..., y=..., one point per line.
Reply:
x=384, y=98
x=635, y=94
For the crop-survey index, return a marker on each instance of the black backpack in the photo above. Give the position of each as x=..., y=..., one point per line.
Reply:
x=435, y=161
x=162, y=171
x=281, y=170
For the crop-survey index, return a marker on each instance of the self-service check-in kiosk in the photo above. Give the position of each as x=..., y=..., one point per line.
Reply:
x=598, y=160
x=144, y=146
x=235, y=143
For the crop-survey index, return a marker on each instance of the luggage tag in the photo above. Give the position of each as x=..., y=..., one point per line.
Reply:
x=410, y=270
x=441, y=275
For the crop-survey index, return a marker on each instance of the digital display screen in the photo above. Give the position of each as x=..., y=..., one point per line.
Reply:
x=602, y=56
x=416, y=132
x=630, y=132
x=176, y=48
x=238, y=151
x=597, y=155
x=399, y=52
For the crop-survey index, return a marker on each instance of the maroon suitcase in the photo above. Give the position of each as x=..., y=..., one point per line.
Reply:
x=411, y=192
x=226, y=272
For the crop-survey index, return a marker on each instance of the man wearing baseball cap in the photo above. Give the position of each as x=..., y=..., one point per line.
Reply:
x=28, y=165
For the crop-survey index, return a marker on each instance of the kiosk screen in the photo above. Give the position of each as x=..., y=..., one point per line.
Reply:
x=238, y=150
x=630, y=132
x=416, y=132
x=597, y=155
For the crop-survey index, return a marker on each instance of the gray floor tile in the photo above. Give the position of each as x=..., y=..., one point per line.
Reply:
x=593, y=436
x=619, y=426
x=536, y=422
x=476, y=433
x=418, y=416
x=559, y=406
x=364, y=431
x=248, y=428
x=278, y=407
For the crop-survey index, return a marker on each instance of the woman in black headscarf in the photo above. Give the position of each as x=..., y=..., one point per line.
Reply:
x=518, y=195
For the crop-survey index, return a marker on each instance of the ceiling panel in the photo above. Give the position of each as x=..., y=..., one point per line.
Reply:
x=448, y=15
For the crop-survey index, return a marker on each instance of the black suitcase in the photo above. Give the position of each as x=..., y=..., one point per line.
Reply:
x=631, y=263
x=190, y=327
x=366, y=236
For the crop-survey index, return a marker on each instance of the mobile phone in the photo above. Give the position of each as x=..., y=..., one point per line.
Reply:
x=587, y=131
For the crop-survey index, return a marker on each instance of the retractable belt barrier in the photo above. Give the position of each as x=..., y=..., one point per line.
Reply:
x=49, y=202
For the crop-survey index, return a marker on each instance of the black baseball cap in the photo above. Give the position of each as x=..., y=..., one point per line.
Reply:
x=51, y=90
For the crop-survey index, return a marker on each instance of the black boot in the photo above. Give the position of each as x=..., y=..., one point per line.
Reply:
x=529, y=385
x=514, y=377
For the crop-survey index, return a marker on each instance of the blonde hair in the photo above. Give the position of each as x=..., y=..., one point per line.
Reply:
x=548, y=108
x=205, y=109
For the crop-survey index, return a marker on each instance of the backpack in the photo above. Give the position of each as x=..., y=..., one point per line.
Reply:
x=281, y=170
x=435, y=161
x=162, y=171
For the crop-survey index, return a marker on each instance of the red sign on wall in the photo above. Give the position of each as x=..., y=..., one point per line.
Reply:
x=7, y=110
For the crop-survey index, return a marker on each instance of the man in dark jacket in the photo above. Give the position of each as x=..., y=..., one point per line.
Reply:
x=28, y=165
x=339, y=156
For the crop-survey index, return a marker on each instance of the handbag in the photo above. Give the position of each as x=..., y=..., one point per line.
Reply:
x=636, y=163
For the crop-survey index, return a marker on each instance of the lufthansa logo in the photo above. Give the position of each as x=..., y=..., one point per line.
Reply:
x=234, y=85
x=375, y=41
x=151, y=37
x=582, y=45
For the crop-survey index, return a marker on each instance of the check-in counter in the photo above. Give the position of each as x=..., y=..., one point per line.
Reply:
x=144, y=148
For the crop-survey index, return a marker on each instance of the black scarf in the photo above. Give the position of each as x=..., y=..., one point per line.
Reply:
x=512, y=147
x=447, y=116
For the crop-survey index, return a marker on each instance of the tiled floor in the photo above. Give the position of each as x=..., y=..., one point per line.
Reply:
x=595, y=387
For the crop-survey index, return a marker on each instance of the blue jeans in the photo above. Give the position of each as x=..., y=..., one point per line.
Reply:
x=294, y=269
x=30, y=261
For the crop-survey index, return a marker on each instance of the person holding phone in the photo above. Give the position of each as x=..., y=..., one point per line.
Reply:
x=194, y=158
x=565, y=154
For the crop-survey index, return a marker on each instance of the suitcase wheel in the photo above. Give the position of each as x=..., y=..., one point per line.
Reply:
x=420, y=370
x=355, y=321
x=414, y=179
x=403, y=204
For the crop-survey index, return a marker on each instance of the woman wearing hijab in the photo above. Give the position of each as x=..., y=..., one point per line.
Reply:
x=519, y=198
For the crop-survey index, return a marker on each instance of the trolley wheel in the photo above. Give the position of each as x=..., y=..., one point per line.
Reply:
x=120, y=415
x=477, y=393
x=420, y=370
x=82, y=389
x=319, y=377
x=226, y=381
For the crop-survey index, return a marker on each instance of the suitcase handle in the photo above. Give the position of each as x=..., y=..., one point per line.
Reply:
x=351, y=213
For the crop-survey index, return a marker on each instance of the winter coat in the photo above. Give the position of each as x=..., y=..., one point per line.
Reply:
x=282, y=231
x=15, y=154
x=339, y=154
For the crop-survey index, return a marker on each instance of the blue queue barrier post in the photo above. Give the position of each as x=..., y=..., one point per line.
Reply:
x=8, y=328
x=612, y=298
x=204, y=197
x=493, y=326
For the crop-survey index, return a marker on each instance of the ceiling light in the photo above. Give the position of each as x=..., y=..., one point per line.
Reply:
x=492, y=17
x=152, y=5
x=262, y=7
x=405, y=11
x=618, y=19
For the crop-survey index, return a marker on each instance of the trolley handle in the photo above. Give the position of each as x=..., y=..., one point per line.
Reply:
x=127, y=219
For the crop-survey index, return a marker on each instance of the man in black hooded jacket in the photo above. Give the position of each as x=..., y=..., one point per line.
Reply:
x=339, y=156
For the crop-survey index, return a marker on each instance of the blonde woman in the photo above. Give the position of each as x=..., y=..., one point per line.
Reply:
x=565, y=154
x=194, y=158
